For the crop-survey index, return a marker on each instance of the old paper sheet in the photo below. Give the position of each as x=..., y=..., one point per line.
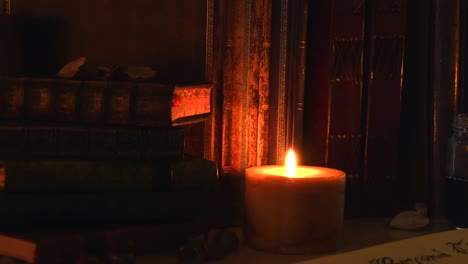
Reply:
x=449, y=247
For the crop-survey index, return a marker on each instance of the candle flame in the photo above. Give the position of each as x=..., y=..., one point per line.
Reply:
x=290, y=164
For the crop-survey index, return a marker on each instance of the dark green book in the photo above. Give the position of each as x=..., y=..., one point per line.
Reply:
x=73, y=175
x=53, y=140
x=103, y=208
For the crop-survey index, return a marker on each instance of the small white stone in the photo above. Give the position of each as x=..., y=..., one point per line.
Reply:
x=409, y=220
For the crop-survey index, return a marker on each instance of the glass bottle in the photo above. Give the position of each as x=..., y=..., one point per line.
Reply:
x=457, y=173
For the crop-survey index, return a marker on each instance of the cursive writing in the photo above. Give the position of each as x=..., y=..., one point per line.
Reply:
x=458, y=246
x=435, y=255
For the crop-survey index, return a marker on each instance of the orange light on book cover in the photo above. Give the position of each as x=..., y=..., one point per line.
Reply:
x=294, y=209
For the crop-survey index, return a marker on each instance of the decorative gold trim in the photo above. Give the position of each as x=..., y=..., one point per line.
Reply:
x=209, y=137
x=282, y=110
x=209, y=40
x=245, y=84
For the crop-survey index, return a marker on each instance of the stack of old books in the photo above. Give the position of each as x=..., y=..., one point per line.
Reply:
x=101, y=156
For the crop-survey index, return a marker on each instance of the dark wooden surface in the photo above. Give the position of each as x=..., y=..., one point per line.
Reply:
x=358, y=233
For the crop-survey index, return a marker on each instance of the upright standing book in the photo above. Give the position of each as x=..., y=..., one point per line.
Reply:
x=345, y=97
x=381, y=178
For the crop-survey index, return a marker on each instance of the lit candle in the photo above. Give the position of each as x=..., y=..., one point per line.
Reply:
x=294, y=209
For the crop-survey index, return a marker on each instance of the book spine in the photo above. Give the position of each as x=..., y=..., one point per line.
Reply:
x=257, y=88
x=316, y=96
x=11, y=98
x=65, y=176
x=93, y=102
x=298, y=20
x=444, y=81
x=49, y=210
x=345, y=97
x=415, y=120
x=384, y=92
x=90, y=141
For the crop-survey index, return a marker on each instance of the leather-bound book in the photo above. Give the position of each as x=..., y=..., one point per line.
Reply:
x=65, y=176
x=64, y=245
x=345, y=97
x=102, y=102
x=381, y=170
x=90, y=141
x=21, y=210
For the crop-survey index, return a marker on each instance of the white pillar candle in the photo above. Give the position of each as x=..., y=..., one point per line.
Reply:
x=294, y=209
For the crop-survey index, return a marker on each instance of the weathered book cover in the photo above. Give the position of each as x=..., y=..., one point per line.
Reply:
x=66, y=245
x=68, y=176
x=101, y=102
x=245, y=95
x=63, y=141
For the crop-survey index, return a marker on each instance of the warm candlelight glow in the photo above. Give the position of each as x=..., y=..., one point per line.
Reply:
x=293, y=208
x=290, y=164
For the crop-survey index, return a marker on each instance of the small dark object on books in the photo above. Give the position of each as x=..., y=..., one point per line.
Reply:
x=139, y=72
x=104, y=72
x=199, y=248
x=82, y=69
x=93, y=72
x=127, y=258
x=213, y=251
x=191, y=253
x=87, y=259
x=124, y=73
x=228, y=240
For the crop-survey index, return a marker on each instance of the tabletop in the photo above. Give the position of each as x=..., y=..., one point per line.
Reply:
x=358, y=234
